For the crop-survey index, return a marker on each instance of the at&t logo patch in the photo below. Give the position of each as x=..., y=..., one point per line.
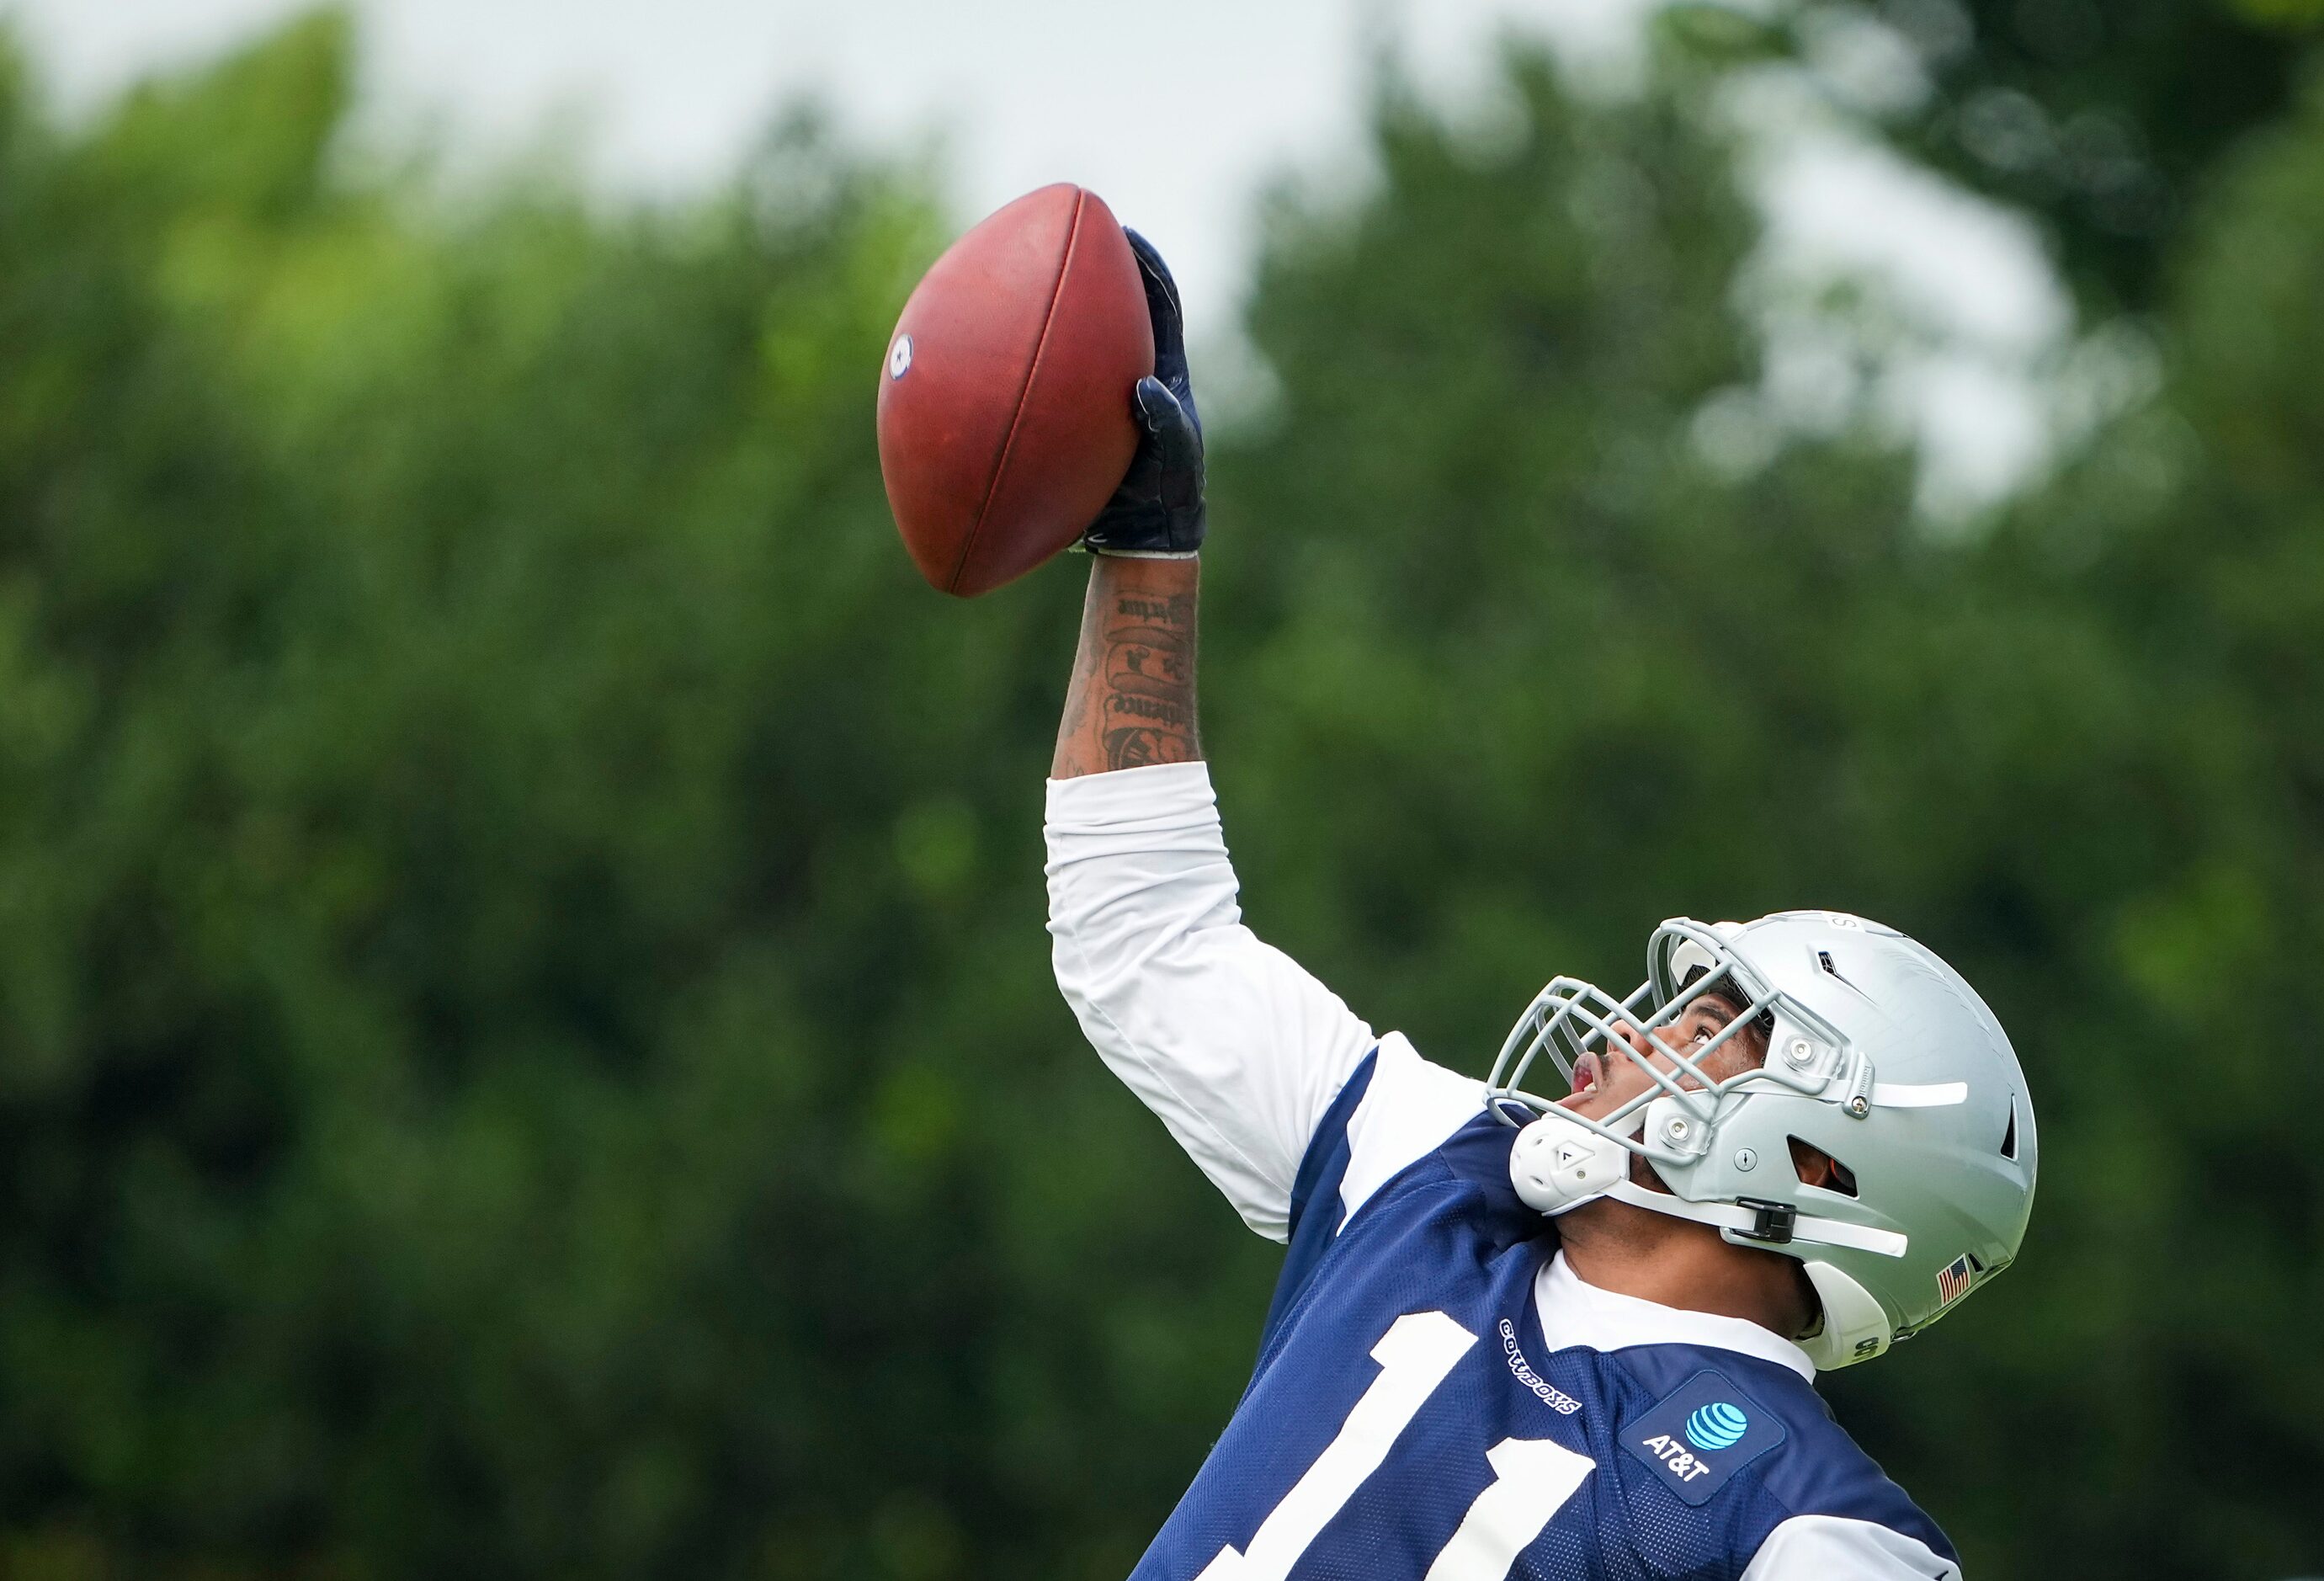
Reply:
x=1701, y=1434
x=900, y=357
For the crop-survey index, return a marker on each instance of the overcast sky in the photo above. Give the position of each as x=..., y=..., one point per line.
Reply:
x=1176, y=114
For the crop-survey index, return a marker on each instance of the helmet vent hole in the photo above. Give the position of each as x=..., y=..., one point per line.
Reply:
x=2009, y=1137
x=1839, y=1179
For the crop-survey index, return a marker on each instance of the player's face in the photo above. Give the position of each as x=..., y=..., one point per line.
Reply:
x=1602, y=1084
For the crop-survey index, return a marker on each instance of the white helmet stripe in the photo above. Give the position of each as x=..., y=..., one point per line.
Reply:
x=1904, y=1094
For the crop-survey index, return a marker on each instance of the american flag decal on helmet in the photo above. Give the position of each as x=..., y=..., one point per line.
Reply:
x=1953, y=1280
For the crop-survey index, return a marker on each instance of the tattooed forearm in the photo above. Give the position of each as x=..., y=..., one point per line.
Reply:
x=1132, y=697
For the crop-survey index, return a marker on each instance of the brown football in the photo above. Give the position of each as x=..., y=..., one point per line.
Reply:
x=1005, y=416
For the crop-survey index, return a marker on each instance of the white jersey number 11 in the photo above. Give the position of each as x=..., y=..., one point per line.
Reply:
x=1532, y=1477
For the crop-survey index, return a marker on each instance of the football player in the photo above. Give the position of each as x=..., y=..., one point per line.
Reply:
x=1518, y=1336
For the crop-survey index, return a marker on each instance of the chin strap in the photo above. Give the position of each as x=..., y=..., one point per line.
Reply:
x=1772, y=1224
x=1558, y=1164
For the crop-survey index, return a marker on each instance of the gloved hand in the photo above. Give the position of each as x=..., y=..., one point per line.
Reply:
x=1157, y=513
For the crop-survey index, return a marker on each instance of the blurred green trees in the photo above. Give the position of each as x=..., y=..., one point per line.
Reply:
x=526, y=1042
x=2106, y=119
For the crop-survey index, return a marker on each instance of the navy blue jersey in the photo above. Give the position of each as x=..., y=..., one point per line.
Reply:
x=1419, y=1409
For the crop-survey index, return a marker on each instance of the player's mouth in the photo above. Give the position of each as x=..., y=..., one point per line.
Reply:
x=1587, y=1074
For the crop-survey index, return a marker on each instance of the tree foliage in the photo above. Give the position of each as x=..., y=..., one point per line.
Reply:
x=529, y=1042
x=2107, y=119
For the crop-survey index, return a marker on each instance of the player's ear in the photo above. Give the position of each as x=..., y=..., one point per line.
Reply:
x=1814, y=1166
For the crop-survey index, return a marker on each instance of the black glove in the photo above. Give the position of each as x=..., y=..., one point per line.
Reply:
x=1157, y=514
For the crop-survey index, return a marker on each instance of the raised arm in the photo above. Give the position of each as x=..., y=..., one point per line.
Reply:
x=1225, y=1037
x=1239, y=1051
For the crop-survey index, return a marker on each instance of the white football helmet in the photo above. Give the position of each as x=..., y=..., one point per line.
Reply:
x=1878, y=1054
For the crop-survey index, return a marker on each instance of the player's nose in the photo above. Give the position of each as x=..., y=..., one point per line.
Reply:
x=1635, y=1039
